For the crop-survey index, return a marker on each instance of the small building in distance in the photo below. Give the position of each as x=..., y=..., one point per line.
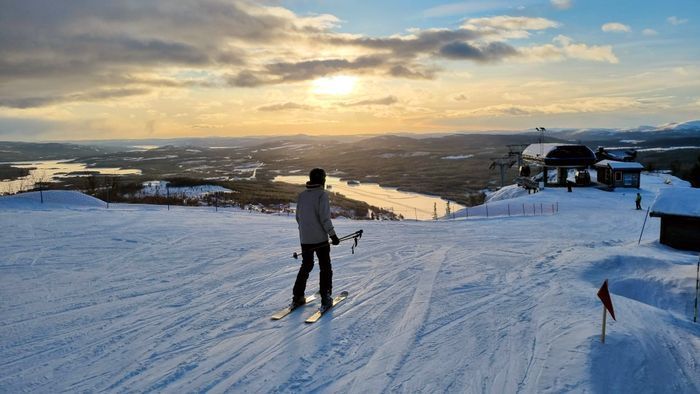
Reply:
x=679, y=210
x=560, y=158
x=619, y=173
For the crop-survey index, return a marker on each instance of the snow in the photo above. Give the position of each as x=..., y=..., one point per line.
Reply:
x=459, y=157
x=668, y=149
x=678, y=201
x=154, y=188
x=52, y=199
x=620, y=165
x=141, y=299
x=541, y=150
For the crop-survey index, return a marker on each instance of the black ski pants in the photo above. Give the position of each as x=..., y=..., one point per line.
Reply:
x=323, y=251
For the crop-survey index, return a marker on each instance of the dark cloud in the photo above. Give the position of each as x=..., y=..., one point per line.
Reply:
x=401, y=71
x=426, y=41
x=284, y=107
x=388, y=100
x=31, y=102
x=464, y=51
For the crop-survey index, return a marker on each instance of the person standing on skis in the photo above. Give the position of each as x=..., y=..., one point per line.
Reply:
x=315, y=227
x=638, y=201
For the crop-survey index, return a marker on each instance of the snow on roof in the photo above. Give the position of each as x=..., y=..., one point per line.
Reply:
x=620, y=165
x=541, y=150
x=682, y=201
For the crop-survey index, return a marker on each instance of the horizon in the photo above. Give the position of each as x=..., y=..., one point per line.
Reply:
x=240, y=69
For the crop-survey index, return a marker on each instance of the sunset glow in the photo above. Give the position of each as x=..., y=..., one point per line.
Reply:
x=233, y=68
x=336, y=86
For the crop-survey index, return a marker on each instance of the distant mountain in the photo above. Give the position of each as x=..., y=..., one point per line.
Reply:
x=689, y=131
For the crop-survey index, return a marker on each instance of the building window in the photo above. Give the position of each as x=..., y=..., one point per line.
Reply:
x=618, y=176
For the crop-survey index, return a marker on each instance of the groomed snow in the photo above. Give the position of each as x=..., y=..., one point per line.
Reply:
x=141, y=299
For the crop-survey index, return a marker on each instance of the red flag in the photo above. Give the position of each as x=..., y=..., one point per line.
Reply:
x=604, y=296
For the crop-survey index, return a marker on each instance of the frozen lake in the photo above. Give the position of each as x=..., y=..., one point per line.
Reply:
x=410, y=205
x=50, y=171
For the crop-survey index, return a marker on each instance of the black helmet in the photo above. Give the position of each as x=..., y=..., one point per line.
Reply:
x=317, y=176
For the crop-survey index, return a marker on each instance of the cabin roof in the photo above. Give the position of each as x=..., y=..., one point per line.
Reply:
x=677, y=201
x=620, y=165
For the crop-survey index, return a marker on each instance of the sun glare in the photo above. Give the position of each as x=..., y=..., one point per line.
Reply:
x=337, y=85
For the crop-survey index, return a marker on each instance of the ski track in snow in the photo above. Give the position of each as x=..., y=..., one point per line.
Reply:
x=148, y=300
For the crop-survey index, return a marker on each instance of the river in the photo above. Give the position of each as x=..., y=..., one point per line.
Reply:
x=411, y=205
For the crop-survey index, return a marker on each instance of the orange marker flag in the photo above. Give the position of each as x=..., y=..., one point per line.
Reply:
x=604, y=296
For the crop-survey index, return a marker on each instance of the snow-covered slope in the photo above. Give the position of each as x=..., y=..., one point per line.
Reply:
x=141, y=299
x=52, y=199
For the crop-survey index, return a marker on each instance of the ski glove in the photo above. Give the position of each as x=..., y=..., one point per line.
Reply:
x=335, y=240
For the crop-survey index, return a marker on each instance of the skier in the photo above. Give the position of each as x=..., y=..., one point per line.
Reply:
x=314, y=219
x=638, y=200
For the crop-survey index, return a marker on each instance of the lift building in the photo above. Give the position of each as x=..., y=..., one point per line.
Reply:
x=560, y=158
x=679, y=210
x=619, y=173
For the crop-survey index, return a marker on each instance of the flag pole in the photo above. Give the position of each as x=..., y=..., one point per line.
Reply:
x=605, y=315
x=697, y=286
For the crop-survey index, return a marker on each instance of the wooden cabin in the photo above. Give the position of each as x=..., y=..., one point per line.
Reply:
x=679, y=210
x=619, y=173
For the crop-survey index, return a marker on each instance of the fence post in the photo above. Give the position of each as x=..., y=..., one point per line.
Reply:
x=523, y=209
x=534, y=210
x=487, y=210
x=508, y=209
x=541, y=211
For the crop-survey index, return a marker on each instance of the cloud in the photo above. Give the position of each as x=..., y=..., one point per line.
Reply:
x=388, y=100
x=97, y=95
x=561, y=4
x=99, y=50
x=615, y=27
x=509, y=26
x=675, y=21
x=401, y=71
x=564, y=47
x=650, y=32
x=284, y=107
x=461, y=97
x=463, y=8
x=492, y=52
x=580, y=105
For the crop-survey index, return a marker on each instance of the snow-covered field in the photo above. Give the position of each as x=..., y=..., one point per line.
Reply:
x=141, y=299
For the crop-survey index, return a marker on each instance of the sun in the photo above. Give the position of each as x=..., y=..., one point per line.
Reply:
x=337, y=85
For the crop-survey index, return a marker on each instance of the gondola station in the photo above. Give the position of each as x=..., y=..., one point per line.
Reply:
x=560, y=158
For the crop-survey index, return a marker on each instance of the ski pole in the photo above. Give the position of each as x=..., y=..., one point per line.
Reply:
x=356, y=236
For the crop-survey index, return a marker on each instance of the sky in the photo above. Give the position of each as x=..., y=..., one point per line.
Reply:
x=91, y=69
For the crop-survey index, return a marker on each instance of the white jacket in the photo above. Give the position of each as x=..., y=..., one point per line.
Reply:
x=314, y=215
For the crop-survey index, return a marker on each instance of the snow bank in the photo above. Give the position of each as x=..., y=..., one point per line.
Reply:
x=52, y=199
x=506, y=193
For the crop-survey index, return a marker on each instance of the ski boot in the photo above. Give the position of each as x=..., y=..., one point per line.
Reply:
x=297, y=302
x=326, y=301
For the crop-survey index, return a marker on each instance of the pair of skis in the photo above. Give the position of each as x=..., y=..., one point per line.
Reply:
x=317, y=315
